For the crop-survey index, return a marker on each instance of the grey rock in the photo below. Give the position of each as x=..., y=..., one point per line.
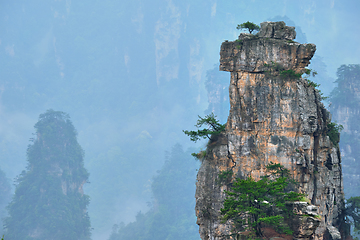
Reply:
x=334, y=233
x=272, y=119
x=312, y=210
x=246, y=36
x=276, y=30
x=251, y=53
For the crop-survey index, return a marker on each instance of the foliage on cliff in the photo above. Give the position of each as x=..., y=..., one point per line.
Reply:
x=250, y=26
x=48, y=201
x=333, y=131
x=213, y=128
x=172, y=213
x=255, y=203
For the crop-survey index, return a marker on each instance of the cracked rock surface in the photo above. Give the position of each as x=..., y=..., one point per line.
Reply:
x=272, y=119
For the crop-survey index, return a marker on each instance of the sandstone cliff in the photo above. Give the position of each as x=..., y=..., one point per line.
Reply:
x=273, y=117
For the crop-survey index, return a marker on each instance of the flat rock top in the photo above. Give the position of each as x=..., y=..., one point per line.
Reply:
x=273, y=43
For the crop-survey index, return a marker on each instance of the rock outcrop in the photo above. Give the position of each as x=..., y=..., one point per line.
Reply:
x=275, y=116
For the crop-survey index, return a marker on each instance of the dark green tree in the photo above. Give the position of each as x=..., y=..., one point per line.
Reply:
x=255, y=203
x=250, y=26
x=213, y=128
x=49, y=202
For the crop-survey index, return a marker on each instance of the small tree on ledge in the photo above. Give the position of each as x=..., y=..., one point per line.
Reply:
x=250, y=26
x=214, y=128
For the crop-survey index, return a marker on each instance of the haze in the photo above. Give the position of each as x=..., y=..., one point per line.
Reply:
x=132, y=74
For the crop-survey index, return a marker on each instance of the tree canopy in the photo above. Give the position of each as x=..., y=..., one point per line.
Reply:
x=253, y=203
x=49, y=202
x=213, y=128
x=250, y=26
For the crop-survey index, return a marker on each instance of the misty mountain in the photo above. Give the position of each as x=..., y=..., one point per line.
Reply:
x=133, y=75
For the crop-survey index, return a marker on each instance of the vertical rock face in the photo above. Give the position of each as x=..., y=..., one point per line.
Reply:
x=274, y=117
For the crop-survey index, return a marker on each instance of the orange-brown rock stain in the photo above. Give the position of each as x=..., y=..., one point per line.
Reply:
x=271, y=119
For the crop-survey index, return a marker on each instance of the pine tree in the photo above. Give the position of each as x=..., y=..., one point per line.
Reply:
x=214, y=128
x=250, y=26
x=49, y=202
x=250, y=204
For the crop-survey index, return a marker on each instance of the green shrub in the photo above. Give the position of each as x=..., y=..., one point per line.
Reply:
x=290, y=74
x=250, y=26
x=304, y=199
x=277, y=68
x=200, y=155
x=313, y=84
x=333, y=131
x=274, y=67
x=213, y=128
x=224, y=177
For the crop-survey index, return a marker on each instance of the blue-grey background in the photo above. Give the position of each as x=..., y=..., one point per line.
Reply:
x=133, y=74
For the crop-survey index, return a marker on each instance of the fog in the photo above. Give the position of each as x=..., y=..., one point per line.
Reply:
x=132, y=74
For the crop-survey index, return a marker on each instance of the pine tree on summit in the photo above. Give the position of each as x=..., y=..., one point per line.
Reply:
x=49, y=202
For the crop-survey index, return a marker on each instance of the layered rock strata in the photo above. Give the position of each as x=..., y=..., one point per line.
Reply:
x=274, y=117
